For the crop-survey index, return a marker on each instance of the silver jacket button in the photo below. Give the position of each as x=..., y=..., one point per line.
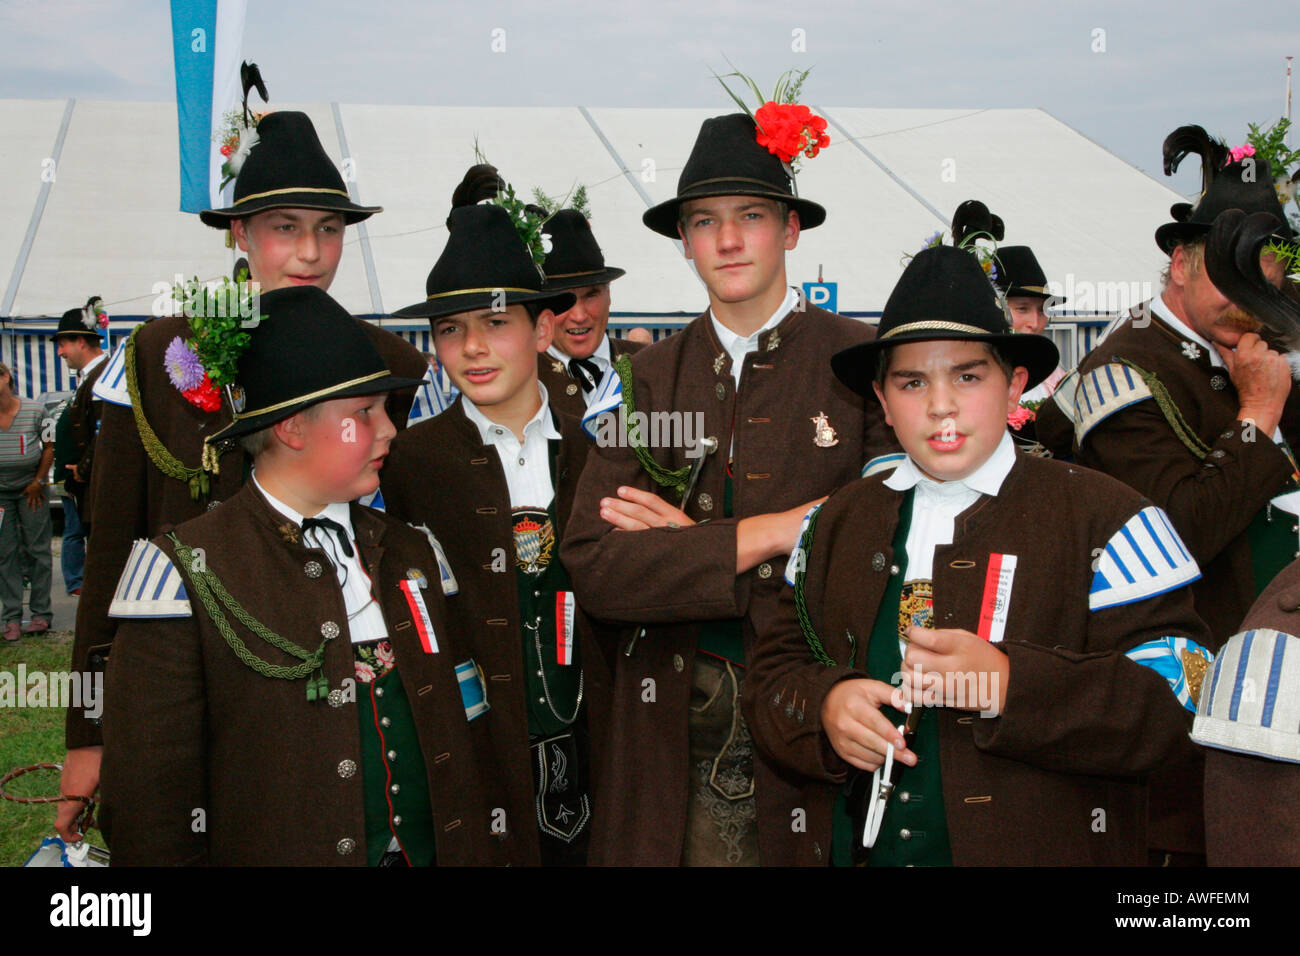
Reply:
x=329, y=630
x=347, y=768
x=312, y=569
x=345, y=846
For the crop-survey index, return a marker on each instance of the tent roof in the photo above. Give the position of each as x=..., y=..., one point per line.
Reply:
x=107, y=223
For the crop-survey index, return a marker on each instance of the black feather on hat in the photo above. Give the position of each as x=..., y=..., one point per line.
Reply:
x=973, y=220
x=1232, y=260
x=1246, y=184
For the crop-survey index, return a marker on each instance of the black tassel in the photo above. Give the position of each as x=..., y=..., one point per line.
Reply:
x=250, y=78
x=1232, y=252
x=972, y=219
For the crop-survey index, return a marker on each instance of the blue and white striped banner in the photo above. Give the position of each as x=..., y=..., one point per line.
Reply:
x=150, y=586
x=207, y=44
x=1142, y=559
x=1170, y=657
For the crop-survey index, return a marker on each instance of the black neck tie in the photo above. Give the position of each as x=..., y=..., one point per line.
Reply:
x=329, y=524
x=587, y=373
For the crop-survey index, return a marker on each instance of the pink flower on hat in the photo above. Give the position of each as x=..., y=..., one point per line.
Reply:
x=1238, y=153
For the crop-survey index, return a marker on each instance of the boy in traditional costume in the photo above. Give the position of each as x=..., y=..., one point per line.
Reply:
x=1025, y=718
x=680, y=537
x=284, y=687
x=154, y=464
x=493, y=479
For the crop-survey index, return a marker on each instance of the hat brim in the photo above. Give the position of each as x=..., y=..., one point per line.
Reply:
x=457, y=302
x=246, y=426
x=856, y=365
x=1173, y=234
x=582, y=280
x=663, y=217
x=1019, y=292
x=351, y=212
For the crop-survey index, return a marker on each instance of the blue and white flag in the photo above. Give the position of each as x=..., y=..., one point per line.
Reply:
x=207, y=44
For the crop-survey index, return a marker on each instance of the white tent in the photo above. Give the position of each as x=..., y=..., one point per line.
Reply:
x=91, y=190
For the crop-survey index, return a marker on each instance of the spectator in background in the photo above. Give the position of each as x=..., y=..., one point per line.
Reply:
x=78, y=343
x=25, y=519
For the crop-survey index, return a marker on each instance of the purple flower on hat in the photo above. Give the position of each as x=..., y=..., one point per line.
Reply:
x=183, y=366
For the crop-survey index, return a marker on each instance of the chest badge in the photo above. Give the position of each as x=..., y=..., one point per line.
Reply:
x=557, y=365
x=1191, y=350
x=416, y=576
x=719, y=362
x=774, y=341
x=823, y=434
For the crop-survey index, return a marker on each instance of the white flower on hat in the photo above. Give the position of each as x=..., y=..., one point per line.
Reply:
x=247, y=140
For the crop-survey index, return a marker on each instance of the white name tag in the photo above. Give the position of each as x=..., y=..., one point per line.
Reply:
x=997, y=597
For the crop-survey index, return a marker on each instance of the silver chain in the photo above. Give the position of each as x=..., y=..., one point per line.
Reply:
x=536, y=628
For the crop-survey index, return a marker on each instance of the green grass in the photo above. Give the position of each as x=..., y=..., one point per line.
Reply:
x=31, y=735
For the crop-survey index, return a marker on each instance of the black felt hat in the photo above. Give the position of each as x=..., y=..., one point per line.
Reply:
x=944, y=294
x=82, y=321
x=287, y=169
x=728, y=161
x=1019, y=273
x=275, y=383
x=1246, y=184
x=484, y=265
x=575, y=260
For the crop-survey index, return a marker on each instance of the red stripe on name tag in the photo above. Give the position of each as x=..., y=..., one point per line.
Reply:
x=420, y=616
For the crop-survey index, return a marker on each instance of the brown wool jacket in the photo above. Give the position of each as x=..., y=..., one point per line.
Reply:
x=188, y=725
x=669, y=580
x=440, y=475
x=132, y=499
x=1082, y=722
x=563, y=389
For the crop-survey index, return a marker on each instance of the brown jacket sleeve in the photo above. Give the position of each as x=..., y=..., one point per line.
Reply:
x=153, y=769
x=118, y=490
x=657, y=576
x=1210, y=502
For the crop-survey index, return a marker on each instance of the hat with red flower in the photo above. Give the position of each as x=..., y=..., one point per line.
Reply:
x=87, y=320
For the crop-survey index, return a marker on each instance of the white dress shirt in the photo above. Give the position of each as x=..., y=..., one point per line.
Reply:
x=527, y=464
x=365, y=617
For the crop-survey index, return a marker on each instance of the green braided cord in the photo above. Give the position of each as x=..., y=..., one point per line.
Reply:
x=206, y=585
x=671, y=478
x=1170, y=411
x=163, y=460
x=801, y=605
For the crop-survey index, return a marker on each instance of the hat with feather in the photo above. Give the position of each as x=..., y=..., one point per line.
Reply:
x=1226, y=183
x=943, y=294
x=87, y=320
x=493, y=257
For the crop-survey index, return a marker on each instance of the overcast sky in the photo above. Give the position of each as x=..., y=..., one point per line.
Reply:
x=1123, y=74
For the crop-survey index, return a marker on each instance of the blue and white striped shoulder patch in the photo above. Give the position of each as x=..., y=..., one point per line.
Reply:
x=111, y=384
x=1067, y=389
x=435, y=395
x=1104, y=391
x=799, y=556
x=882, y=463
x=150, y=586
x=607, y=398
x=1180, y=661
x=1252, y=701
x=1142, y=559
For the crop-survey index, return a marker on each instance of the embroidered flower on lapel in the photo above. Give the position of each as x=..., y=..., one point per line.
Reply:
x=1191, y=350
x=289, y=532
